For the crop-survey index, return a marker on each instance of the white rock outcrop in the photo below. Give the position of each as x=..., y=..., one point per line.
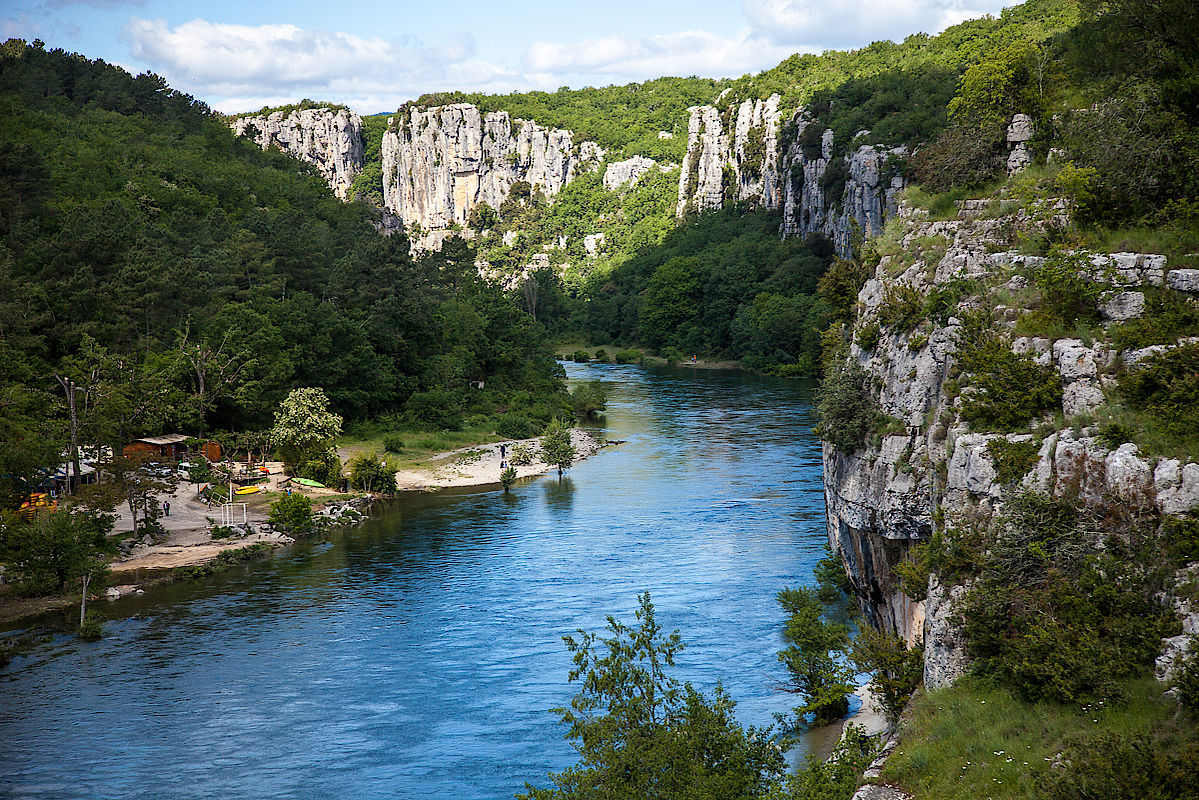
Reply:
x=329, y=138
x=438, y=164
x=627, y=172
x=739, y=155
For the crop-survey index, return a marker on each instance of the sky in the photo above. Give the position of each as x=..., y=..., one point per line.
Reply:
x=241, y=55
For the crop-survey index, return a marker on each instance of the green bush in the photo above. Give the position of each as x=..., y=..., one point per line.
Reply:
x=961, y=156
x=1006, y=390
x=1168, y=316
x=323, y=467
x=913, y=572
x=601, y=355
x=629, y=356
x=832, y=581
x=436, y=408
x=1180, y=537
x=1188, y=679
x=1053, y=616
x=522, y=455
x=672, y=355
x=1012, y=460
x=581, y=357
x=92, y=628
x=589, y=399
x=369, y=474
x=902, y=308
x=512, y=425
x=1157, y=762
x=507, y=478
x=845, y=407
x=894, y=667
x=868, y=336
x=1166, y=388
x=393, y=443
x=292, y=514
x=1067, y=295
x=1114, y=434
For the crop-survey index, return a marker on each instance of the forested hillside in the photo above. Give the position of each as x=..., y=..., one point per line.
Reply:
x=1123, y=121
x=184, y=279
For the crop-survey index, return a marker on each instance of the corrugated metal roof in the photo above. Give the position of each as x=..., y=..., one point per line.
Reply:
x=170, y=438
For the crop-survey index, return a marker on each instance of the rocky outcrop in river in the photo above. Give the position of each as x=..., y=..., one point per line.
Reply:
x=440, y=163
x=329, y=138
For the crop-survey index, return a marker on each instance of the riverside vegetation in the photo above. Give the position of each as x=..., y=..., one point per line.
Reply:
x=1064, y=606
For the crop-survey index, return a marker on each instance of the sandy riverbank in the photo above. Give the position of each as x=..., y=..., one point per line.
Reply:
x=188, y=541
x=481, y=465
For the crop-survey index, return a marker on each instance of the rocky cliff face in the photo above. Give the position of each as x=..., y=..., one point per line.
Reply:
x=441, y=163
x=329, y=138
x=932, y=469
x=742, y=155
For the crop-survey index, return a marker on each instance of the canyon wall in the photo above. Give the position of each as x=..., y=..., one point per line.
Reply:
x=329, y=138
x=929, y=470
x=746, y=155
x=438, y=164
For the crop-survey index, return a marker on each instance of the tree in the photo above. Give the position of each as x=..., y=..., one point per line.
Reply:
x=895, y=668
x=369, y=474
x=507, y=478
x=55, y=547
x=556, y=447
x=641, y=735
x=292, y=513
x=304, y=430
x=588, y=399
x=811, y=656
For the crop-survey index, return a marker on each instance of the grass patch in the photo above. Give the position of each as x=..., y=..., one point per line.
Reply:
x=418, y=446
x=972, y=741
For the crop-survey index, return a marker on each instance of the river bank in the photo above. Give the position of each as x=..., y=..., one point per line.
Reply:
x=188, y=540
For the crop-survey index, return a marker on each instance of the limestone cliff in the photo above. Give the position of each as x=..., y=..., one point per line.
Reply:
x=744, y=155
x=438, y=164
x=930, y=468
x=329, y=138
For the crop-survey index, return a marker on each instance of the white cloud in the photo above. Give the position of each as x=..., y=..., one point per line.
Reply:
x=631, y=58
x=240, y=67
x=824, y=24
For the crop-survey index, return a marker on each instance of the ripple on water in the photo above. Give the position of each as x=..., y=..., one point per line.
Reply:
x=418, y=654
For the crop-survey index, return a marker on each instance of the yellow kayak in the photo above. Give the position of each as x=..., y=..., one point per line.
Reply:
x=248, y=490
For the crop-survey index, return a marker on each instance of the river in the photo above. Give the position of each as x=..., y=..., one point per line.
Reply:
x=417, y=655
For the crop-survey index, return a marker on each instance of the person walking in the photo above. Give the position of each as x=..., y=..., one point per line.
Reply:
x=166, y=507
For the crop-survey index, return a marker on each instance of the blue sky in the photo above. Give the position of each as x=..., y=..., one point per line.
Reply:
x=373, y=56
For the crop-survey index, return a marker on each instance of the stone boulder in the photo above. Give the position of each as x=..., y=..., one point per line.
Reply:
x=1183, y=280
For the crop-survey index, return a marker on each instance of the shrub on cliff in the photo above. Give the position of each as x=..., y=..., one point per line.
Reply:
x=1005, y=390
x=845, y=407
x=1054, y=616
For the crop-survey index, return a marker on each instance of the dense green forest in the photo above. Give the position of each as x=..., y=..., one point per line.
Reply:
x=183, y=279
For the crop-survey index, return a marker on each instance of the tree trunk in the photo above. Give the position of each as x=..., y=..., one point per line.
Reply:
x=68, y=387
x=87, y=579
